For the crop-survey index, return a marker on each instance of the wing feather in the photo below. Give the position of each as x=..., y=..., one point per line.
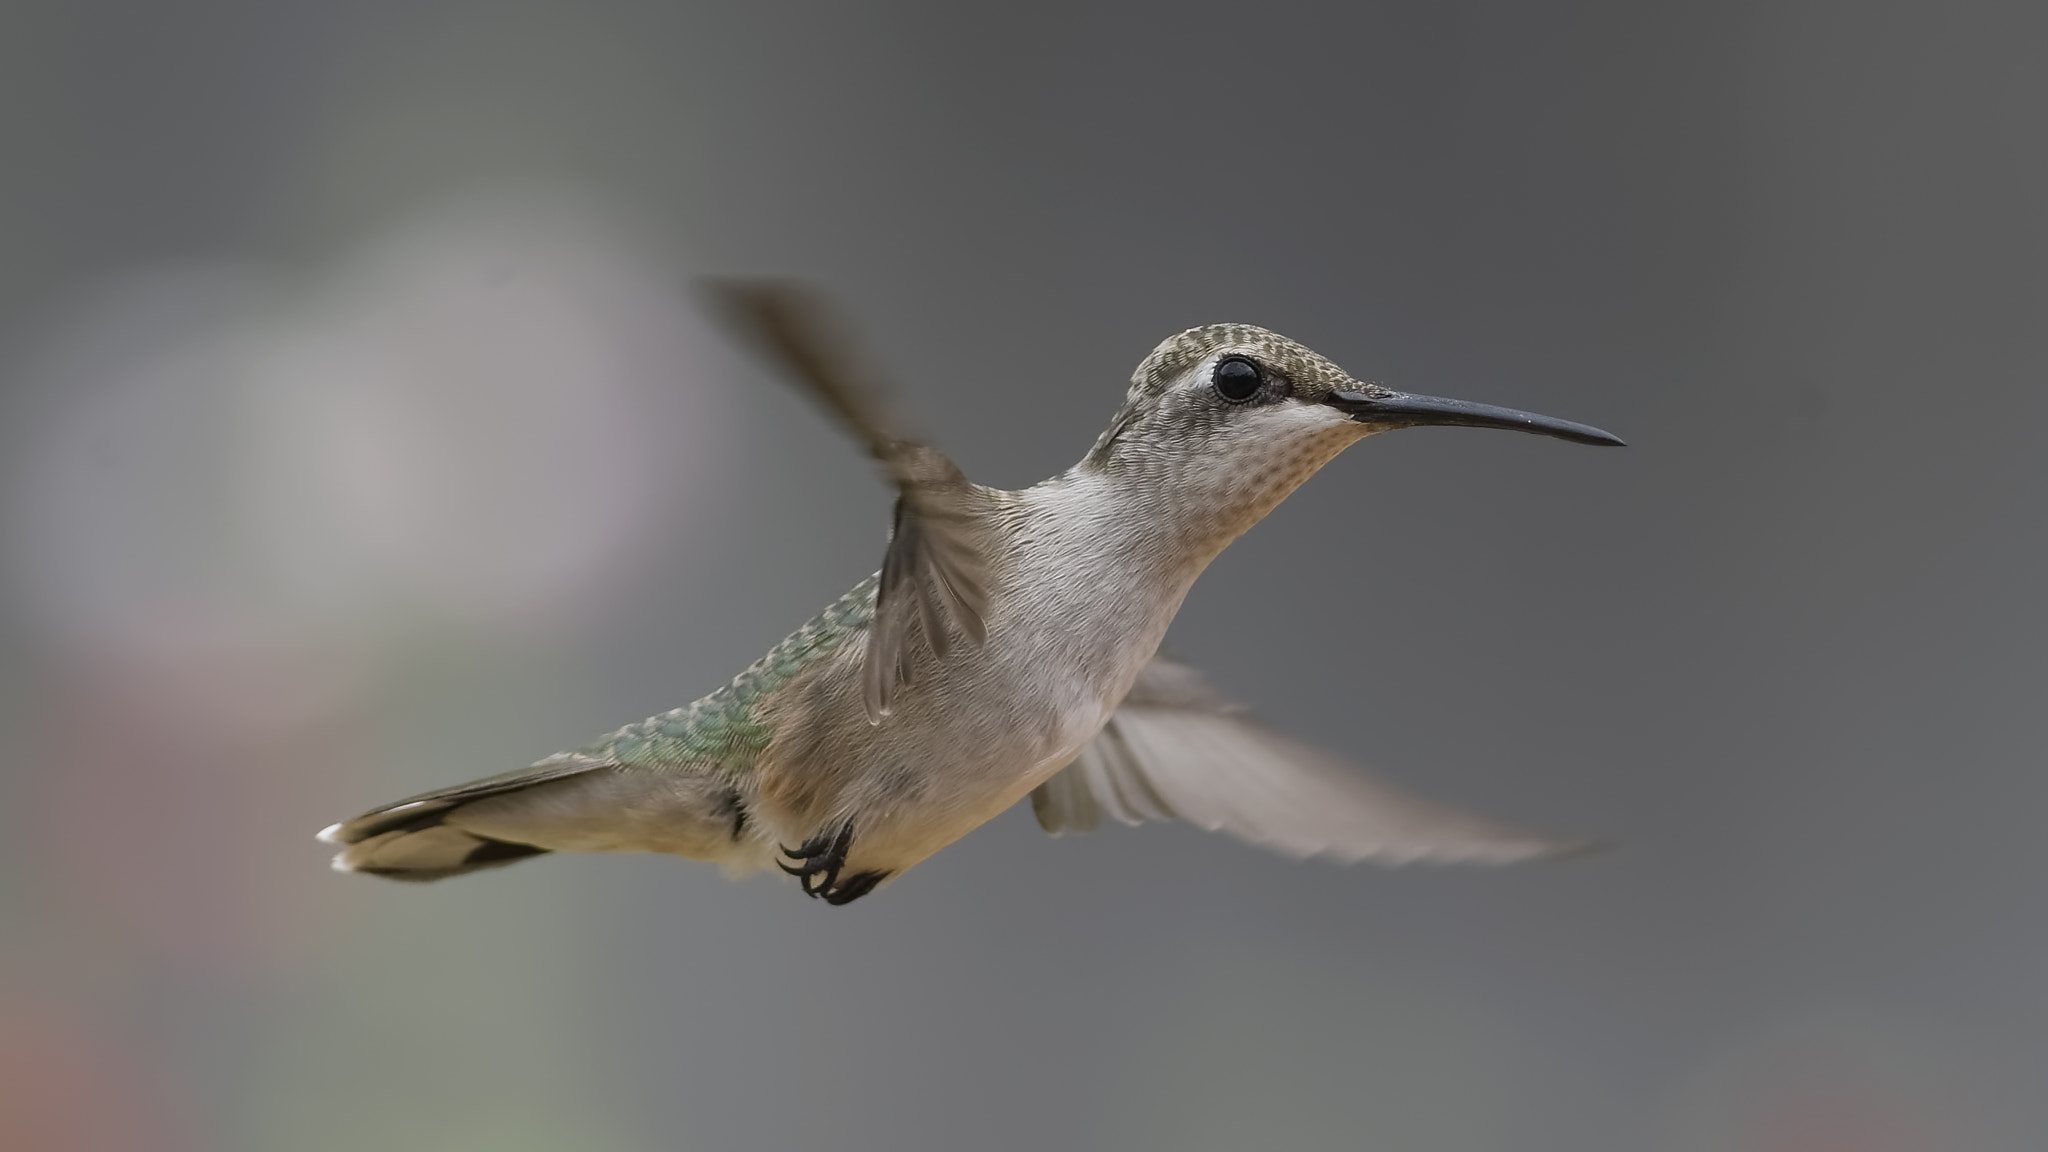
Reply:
x=1176, y=749
x=935, y=572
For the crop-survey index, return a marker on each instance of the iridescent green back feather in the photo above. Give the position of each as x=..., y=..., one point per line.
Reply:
x=725, y=727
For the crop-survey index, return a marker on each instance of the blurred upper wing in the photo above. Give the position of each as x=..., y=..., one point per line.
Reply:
x=935, y=572
x=1176, y=749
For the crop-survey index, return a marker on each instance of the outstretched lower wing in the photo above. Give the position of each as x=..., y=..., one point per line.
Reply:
x=935, y=572
x=1176, y=749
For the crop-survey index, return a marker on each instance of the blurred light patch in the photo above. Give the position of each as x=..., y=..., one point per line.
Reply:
x=480, y=413
x=247, y=491
x=181, y=769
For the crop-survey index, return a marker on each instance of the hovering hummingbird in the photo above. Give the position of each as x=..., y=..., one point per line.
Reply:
x=1007, y=647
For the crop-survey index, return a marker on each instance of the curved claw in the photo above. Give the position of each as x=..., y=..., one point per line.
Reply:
x=817, y=865
x=856, y=886
x=819, y=860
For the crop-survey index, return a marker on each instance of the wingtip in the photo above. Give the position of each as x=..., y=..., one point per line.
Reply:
x=875, y=700
x=1536, y=852
x=329, y=835
x=1577, y=850
x=1481, y=855
x=340, y=863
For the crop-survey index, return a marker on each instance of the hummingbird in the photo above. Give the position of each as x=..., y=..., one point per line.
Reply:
x=1007, y=647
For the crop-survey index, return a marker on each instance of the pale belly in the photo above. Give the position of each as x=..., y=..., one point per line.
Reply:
x=967, y=742
x=1073, y=623
x=984, y=796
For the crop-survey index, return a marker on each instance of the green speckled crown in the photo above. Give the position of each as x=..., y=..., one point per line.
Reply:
x=1311, y=373
x=1313, y=376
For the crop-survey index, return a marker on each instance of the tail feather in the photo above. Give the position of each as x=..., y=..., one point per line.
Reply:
x=566, y=803
x=430, y=854
x=412, y=840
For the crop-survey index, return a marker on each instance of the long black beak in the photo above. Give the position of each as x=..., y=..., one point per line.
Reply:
x=1407, y=410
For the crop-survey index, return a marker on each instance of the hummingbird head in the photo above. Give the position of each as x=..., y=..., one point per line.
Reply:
x=1236, y=417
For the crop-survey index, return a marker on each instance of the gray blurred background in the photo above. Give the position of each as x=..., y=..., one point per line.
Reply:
x=358, y=435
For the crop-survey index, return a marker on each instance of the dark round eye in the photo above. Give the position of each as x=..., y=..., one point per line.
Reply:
x=1237, y=379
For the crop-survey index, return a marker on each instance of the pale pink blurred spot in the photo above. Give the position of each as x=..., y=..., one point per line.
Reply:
x=64, y=1089
x=1833, y=1082
x=1848, y=1119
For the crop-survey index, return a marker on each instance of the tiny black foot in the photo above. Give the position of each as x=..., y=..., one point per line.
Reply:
x=818, y=862
x=819, y=859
